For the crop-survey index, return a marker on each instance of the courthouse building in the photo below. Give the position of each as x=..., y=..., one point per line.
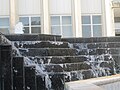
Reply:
x=69, y=18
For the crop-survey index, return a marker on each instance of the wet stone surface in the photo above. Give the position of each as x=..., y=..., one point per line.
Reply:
x=48, y=52
x=33, y=37
x=41, y=44
x=49, y=62
x=68, y=67
x=59, y=59
x=18, y=73
x=40, y=81
x=6, y=77
x=30, y=78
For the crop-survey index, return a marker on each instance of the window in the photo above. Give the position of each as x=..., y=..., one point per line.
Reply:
x=4, y=25
x=31, y=24
x=91, y=26
x=117, y=19
x=55, y=28
x=117, y=25
x=86, y=20
x=86, y=30
x=61, y=25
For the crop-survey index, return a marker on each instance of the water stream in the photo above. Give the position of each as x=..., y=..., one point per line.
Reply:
x=99, y=67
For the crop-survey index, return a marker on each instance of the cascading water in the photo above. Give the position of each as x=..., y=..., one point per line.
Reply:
x=95, y=60
x=93, y=64
x=40, y=69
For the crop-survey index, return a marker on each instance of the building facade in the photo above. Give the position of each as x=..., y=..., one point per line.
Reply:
x=116, y=7
x=69, y=18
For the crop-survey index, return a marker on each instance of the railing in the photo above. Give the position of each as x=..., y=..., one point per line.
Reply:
x=101, y=83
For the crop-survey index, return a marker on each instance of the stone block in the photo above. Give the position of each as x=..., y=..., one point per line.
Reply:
x=114, y=51
x=103, y=51
x=83, y=52
x=76, y=59
x=67, y=67
x=48, y=52
x=33, y=37
x=40, y=83
x=54, y=68
x=116, y=58
x=87, y=74
x=30, y=78
x=6, y=67
x=97, y=45
x=113, y=39
x=85, y=40
x=75, y=75
x=22, y=37
x=108, y=57
x=40, y=44
x=57, y=81
x=59, y=59
x=98, y=39
x=47, y=37
x=92, y=52
x=18, y=73
x=108, y=65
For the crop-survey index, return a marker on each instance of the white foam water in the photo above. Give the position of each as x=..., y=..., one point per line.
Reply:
x=40, y=68
x=19, y=28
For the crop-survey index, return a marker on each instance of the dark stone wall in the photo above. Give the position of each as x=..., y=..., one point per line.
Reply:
x=18, y=73
x=30, y=78
x=6, y=67
x=74, y=59
x=33, y=37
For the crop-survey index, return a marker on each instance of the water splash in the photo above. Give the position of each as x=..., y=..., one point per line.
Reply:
x=19, y=28
x=56, y=42
x=40, y=68
x=96, y=60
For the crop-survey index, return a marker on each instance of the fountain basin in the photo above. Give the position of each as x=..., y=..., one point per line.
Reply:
x=101, y=83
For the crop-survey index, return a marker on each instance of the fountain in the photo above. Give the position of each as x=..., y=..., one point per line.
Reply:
x=52, y=63
x=19, y=28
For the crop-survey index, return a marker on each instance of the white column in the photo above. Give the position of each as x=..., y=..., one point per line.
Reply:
x=76, y=18
x=108, y=18
x=13, y=15
x=45, y=17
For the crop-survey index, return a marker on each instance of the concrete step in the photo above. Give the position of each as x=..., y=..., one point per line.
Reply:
x=104, y=45
x=48, y=51
x=57, y=79
x=40, y=44
x=74, y=59
x=58, y=59
x=96, y=45
x=92, y=39
x=100, y=51
x=80, y=74
x=67, y=67
x=33, y=37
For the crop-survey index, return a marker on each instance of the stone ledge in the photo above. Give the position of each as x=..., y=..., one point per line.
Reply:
x=92, y=84
x=83, y=87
